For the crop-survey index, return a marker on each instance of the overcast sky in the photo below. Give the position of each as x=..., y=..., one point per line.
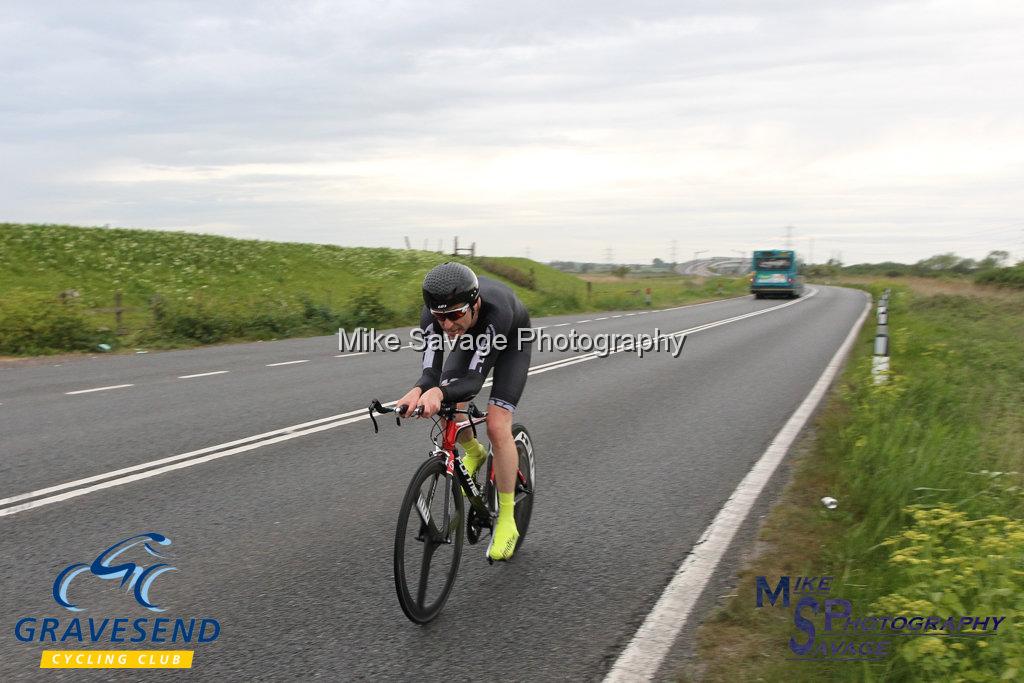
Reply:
x=555, y=129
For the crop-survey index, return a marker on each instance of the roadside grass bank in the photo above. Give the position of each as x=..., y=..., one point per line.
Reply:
x=927, y=471
x=60, y=288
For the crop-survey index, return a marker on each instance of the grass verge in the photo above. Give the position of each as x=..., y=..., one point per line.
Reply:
x=58, y=286
x=927, y=472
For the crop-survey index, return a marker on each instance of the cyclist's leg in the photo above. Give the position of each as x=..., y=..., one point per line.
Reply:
x=455, y=366
x=510, y=373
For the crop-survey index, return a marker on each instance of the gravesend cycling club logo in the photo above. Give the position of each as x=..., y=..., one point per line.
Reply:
x=139, y=579
x=134, y=563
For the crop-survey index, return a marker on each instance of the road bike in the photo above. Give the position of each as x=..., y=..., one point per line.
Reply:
x=433, y=520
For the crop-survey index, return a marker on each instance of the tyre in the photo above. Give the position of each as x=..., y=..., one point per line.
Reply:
x=524, y=490
x=428, y=550
x=758, y=295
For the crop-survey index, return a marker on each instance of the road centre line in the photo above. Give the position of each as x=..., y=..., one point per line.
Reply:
x=168, y=468
x=175, y=462
x=174, y=458
x=89, y=391
x=361, y=353
x=646, y=651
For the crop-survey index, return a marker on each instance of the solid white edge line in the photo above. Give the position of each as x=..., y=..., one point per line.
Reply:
x=292, y=431
x=287, y=362
x=89, y=391
x=646, y=651
x=205, y=374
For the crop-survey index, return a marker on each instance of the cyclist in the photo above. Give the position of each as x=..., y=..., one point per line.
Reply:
x=458, y=303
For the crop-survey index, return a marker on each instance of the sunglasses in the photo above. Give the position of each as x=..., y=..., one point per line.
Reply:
x=453, y=315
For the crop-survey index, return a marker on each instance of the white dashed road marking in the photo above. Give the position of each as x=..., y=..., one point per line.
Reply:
x=154, y=468
x=205, y=374
x=89, y=391
x=287, y=362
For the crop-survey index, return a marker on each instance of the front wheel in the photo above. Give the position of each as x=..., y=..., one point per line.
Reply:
x=428, y=541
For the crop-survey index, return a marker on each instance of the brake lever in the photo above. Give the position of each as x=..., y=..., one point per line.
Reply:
x=374, y=404
x=473, y=412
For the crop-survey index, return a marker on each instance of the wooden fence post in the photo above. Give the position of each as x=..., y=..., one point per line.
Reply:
x=118, y=322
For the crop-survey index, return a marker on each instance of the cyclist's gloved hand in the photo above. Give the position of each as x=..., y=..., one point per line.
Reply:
x=430, y=401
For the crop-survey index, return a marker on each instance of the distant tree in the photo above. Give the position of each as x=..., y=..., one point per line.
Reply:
x=584, y=267
x=965, y=266
x=945, y=263
x=995, y=259
x=620, y=271
x=658, y=263
x=937, y=263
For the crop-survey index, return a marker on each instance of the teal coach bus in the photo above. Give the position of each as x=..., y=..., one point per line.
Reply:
x=776, y=273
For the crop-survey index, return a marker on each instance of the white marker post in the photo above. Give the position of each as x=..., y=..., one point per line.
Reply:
x=880, y=361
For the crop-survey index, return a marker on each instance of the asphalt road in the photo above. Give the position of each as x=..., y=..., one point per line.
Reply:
x=286, y=539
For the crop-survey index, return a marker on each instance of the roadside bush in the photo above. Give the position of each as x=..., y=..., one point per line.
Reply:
x=41, y=326
x=950, y=566
x=1005, y=277
x=369, y=311
x=510, y=273
x=195, y=323
x=319, y=316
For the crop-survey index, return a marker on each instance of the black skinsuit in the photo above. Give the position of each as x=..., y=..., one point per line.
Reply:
x=464, y=371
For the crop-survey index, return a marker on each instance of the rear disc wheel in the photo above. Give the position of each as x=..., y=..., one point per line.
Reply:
x=525, y=482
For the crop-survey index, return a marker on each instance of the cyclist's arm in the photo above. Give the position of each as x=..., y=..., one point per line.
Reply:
x=466, y=387
x=432, y=356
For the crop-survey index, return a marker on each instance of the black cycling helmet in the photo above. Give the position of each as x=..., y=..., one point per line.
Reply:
x=450, y=285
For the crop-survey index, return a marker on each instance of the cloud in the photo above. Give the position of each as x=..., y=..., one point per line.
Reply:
x=565, y=127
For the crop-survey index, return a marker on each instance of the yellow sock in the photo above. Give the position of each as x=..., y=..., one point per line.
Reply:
x=475, y=454
x=506, y=504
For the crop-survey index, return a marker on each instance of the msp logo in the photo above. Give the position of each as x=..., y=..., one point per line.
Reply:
x=139, y=579
x=127, y=563
x=844, y=635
